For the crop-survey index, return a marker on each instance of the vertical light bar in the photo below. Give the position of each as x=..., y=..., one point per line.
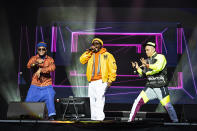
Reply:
x=60, y=32
x=52, y=30
x=74, y=42
x=54, y=39
x=180, y=80
x=36, y=35
x=139, y=49
x=27, y=40
x=41, y=31
x=53, y=47
x=190, y=63
x=158, y=41
x=179, y=40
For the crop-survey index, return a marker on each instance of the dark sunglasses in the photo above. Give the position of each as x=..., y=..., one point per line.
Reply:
x=43, y=49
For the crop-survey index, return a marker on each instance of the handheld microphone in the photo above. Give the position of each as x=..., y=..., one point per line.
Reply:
x=90, y=49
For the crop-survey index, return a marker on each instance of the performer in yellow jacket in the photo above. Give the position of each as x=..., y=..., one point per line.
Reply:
x=101, y=72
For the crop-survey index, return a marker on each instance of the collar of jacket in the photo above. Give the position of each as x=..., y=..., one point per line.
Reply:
x=154, y=55
x=103, y=50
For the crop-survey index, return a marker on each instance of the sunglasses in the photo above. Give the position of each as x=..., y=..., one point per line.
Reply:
x=42, y=49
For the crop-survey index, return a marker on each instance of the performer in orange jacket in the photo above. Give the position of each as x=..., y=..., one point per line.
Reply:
x=41, y=89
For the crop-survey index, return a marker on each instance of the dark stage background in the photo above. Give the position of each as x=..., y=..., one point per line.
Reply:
x=24, y=23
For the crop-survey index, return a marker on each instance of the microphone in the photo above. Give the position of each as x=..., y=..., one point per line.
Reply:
x=90, y=49
x=141, y=66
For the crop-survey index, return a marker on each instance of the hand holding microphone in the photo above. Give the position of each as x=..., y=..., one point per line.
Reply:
x=92, y=48
x=135, y=65
x=144, y=63
x=38, y=61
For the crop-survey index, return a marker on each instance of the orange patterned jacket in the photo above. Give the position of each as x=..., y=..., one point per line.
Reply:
x=47, y=67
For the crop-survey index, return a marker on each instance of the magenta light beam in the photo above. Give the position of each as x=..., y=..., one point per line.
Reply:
x=42, y=33
x=179, y=40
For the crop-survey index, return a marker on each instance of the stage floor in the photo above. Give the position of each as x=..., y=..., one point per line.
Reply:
x=108, y=125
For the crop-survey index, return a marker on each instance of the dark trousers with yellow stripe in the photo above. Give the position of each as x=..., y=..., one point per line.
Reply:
x=148, y=94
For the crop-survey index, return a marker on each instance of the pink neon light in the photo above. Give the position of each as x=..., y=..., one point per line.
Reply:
x=113, y=33
x=158, y=42
x=180, y=80
x=179, y=40
x=122, y=45
x=74, y=73
x=127, y=87
x=136, y=45
x=74, y=42
x=54, y=39
x=74, y=38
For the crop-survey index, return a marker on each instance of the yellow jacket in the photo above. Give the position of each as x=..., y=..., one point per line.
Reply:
x=108, y=65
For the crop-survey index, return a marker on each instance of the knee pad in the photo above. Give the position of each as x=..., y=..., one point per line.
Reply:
x=165, y=100
x=144, y=97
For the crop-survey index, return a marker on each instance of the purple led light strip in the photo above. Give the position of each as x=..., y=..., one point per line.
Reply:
x=162, y=39
x=74, y=38
x=27, y=40
x=158, y=42
x=164, y=44
x=113, y=33
x=190, y=64
x=52, y=37
x=61, y=38
x=104, y=28
x=68, y=29
x=188, y=94
x=179, y=40
x=164, y=30
x=42, y=33
x=122, y=87
x=180, y=80
x=74, y=73
x=36, y=39
x=136, y=92
x=53, y=47
x=119, y=38
x=136, y=45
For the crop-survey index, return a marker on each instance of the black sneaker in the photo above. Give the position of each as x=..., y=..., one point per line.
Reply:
x=52, y=117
